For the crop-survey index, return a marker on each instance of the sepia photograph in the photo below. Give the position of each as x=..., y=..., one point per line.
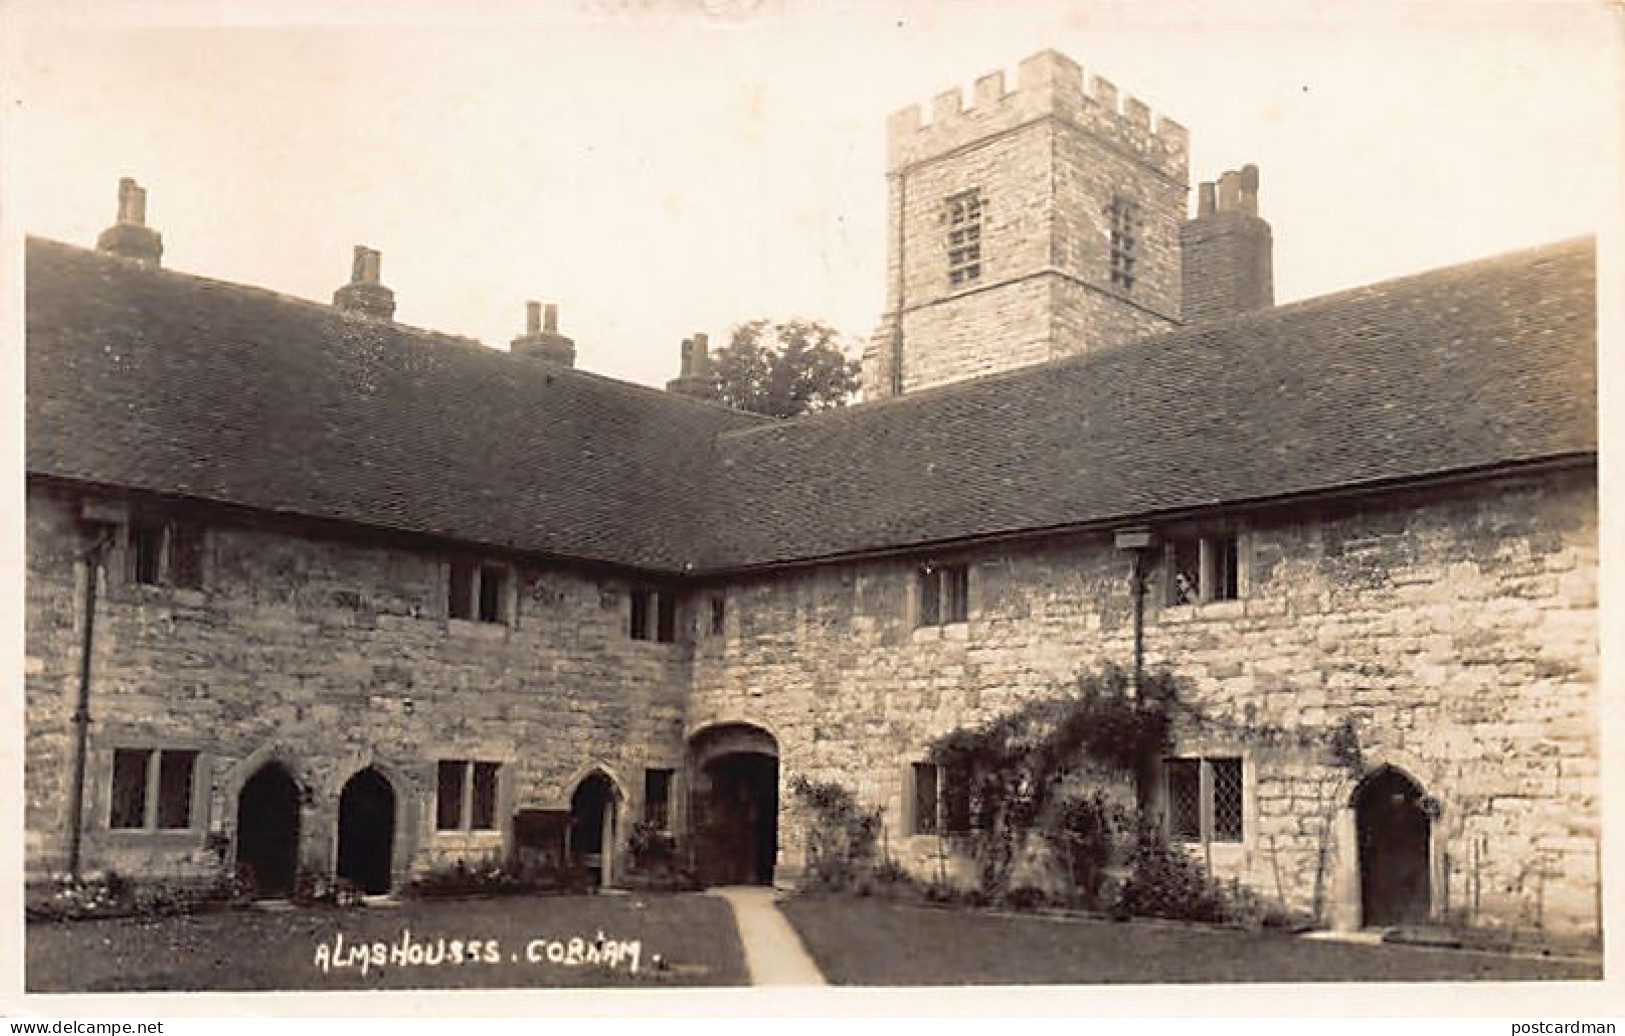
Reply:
x=644, y=495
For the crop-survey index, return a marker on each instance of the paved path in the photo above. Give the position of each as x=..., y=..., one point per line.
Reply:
x=773, y=950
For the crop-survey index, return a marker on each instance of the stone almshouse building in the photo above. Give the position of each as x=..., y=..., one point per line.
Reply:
x=369, y=599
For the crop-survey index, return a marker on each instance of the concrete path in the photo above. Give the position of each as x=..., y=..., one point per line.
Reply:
x=773, y=951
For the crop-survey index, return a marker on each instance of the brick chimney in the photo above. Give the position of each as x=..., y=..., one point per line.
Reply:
x=130, y=236
x=365, y=295
x=541, y=340
x=695, y=378
x=1227, y=251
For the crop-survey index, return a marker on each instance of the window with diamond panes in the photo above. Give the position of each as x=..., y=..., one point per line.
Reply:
x=964, y=218
x=1184, y=800
x=1226, y=799
x=1204, y=799
x=1125, y=223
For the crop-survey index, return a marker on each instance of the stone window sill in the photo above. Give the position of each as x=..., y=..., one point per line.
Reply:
x=177, y=837
x=945, y=631
x=1210, y=610
x=474, y=629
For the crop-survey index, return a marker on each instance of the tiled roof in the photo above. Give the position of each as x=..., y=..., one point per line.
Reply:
x=157, y=380
x=177, y=384
x=1484, y=364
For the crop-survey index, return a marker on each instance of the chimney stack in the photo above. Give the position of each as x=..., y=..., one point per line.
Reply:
x=541, y=340
x=1227, y=251
x=130, y=236
x=365, y=295
x=694, y=377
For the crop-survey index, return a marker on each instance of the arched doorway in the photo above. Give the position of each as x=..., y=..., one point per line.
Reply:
x=735, y=803
x=268, y=831
x=1394, y=832
x=592, y=828
x=367, y=831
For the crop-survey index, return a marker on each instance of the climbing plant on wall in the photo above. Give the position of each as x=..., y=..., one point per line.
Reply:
x=841, y=834
x=1019, y=763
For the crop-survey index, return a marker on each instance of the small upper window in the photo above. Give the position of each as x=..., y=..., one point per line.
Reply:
x=477, y=591
x=493, y=580
x=1125, y=239
x=1204, y=568
x=964, y=219
x=944, y=594
x=653, y=616
x=718, y=614
x=166, y=553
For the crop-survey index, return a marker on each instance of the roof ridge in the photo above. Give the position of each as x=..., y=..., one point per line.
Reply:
x=1519, y=256
x=403, y=330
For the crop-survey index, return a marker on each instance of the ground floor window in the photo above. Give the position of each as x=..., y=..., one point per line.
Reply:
x=941, y=800
x=1204, y=799
x=152, y=789
x=466, y=795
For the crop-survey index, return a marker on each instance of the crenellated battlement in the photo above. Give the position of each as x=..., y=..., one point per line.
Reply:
x=1048, y=83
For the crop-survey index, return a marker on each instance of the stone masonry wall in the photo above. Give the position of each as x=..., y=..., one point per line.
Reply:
x=1456, y=630
x=330, y=655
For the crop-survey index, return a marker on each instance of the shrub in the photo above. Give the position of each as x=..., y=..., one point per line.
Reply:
x=841, y=837
x=494, y=878
x=112, y=895
x=1020, y=761
x=1025, y=897
x=653, y=848
x=1164, y=882
x=1084, y=834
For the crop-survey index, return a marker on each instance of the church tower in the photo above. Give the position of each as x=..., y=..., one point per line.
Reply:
x=1035, y=223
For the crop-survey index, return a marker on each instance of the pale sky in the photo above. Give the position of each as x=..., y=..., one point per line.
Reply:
x=659, y=168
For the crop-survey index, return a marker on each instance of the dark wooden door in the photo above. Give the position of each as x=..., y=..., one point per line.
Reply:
x=1394, y=834
x=367, y=831
x=268, y=831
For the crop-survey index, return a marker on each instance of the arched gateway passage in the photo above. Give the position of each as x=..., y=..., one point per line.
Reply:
x=268, y=831
x=1395, y=833
x=735, y=804
x=367, y=831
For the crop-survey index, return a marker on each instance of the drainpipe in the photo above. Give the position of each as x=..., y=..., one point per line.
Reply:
x=1138, y=541
x=81, y=712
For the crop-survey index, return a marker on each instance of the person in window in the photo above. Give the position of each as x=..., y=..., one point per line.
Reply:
x=1184, y=588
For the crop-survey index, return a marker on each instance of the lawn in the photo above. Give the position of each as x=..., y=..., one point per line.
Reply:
x=508, y=943
x=880, y=943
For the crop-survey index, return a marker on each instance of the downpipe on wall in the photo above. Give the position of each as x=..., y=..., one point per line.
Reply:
x=92, y=558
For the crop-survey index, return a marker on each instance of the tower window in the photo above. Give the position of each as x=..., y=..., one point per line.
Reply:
x=964, y=218
x=1125, y=240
